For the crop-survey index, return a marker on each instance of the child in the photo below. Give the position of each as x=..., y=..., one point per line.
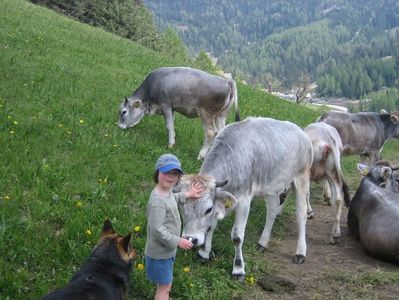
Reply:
x=163, y=224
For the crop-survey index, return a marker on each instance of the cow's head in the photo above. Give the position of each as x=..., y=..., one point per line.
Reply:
x=201, y=215
x=131, y=111
x=381, y=174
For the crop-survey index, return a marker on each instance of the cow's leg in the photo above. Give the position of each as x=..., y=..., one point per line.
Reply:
x=326, y=191
x=301, y=184
x=221, y=120
x=169, y=121
x=336, y=201
x=309, y=211
x=364, y=159
x=272, y=204
x=237, y=236
x=208, y=123
x=374, y=157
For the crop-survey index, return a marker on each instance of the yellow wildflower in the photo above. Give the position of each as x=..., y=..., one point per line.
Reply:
x=81, y=121
x=140, y=267
x=12, y=132
x=6, y=197
x=88, y=232
x=186, y=270
x=137, y=228
x=78, y=204
x=15, y=122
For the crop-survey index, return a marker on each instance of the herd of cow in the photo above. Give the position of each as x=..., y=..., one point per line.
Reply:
x=263, y=157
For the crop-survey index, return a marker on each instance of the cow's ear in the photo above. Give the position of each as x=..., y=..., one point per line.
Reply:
x=125, y=102
x=137, y=104
x=224, y=202
x=363, y=169
x=394, y=118
x=386, y=172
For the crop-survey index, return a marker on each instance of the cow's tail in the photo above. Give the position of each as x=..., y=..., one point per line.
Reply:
x=344, y=186
x=234, y=97
x=347, y=195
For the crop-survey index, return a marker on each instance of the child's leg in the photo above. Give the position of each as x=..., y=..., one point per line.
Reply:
x=163, y=291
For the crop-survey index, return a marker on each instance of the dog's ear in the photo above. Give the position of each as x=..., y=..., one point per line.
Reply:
x=107, y=228
x=124, y=243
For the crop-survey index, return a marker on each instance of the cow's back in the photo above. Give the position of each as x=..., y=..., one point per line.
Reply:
x=182, y=86
x=259, y=155
x=360, y=132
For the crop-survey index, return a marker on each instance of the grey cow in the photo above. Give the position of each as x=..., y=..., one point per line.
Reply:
x=254, y=157
x=364, y=133
x=188, y=91
x=373, y=215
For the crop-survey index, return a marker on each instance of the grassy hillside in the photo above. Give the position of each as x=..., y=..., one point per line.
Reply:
x=61, y=83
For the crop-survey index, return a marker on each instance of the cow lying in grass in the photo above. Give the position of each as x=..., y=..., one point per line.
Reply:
x=373, y=215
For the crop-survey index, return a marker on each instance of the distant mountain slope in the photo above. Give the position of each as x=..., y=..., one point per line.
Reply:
x=289, y=38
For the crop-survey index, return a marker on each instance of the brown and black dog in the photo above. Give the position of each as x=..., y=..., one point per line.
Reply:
x=105, y=274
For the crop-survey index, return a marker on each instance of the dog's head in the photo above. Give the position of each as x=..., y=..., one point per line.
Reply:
x=111, y=241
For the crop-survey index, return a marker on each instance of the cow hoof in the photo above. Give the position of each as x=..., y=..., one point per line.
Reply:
x=239, y=277
x=260, y=248
x=202, y=260
x=171, y=146
x=299, y=259
x=334, y=240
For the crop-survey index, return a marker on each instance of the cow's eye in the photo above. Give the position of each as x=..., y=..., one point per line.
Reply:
x=124, y=112
x=208, y=210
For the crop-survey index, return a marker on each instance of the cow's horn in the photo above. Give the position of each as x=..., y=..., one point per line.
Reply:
x=221, y=183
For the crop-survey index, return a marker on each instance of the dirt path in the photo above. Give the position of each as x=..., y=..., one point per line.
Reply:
x=339, y=271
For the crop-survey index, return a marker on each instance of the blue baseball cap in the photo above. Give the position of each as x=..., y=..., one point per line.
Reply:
x=168, y=162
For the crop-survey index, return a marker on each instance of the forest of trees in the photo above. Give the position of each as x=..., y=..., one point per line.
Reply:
x=350, y=48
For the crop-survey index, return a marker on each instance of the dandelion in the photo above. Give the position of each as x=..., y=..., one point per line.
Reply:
x=60, y=125
x=78, y=204
x=81, y=121
x=186, y=270
x=106, y=135
x=250, y=280
x=15, y=122
x=8, y=117
x=6, y=197
x=137, y=228
x=69, y=132
x=114, y=145
x=140, y=267
x=88, y=232
x=12, y=132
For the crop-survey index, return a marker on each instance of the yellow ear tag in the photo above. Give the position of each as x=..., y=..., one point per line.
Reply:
x=364, y=171
x=228, y=203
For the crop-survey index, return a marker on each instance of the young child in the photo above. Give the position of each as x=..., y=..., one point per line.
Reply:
x=163, y=224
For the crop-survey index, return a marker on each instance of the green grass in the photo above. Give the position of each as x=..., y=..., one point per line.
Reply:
x=61, y=83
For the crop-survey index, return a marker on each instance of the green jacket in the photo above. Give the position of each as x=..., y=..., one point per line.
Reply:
x=163, y=225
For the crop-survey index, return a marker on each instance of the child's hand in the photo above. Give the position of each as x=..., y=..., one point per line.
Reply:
x=185, y=244
x=195, y=191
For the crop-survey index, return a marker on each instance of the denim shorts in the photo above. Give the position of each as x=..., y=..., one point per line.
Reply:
x=159, y=271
